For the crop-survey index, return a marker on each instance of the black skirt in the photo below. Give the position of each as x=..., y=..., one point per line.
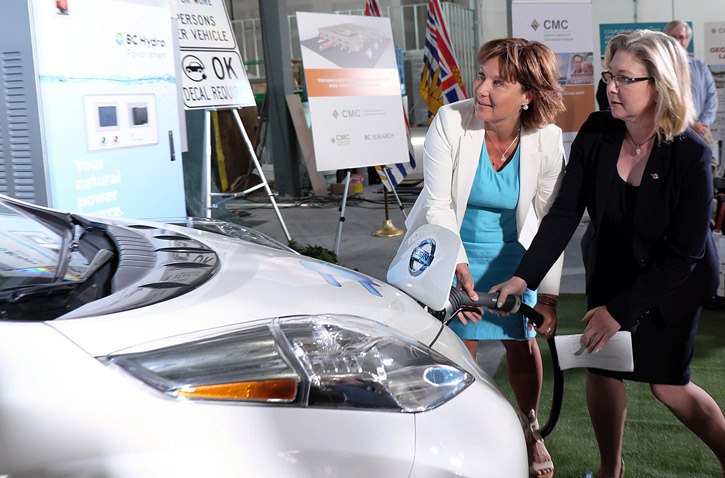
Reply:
x=662, y=354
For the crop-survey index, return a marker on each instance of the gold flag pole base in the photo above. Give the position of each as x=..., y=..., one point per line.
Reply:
x=388, y=230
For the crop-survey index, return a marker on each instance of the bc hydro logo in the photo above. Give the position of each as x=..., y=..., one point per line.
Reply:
x=139, y=40
x=422, y=257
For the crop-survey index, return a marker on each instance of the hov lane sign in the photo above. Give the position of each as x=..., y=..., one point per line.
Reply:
x=204, y=24
x=214, y=79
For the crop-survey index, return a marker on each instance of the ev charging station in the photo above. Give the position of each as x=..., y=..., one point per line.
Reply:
x=89, y=107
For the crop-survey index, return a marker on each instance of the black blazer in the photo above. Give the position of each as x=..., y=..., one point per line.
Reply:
x=672, y=242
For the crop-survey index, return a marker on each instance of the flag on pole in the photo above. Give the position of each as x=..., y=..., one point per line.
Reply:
x=372, y=8
x=441, y=80
x=392, y=174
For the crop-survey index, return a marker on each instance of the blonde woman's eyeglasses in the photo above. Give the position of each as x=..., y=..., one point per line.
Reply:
x=621, y=80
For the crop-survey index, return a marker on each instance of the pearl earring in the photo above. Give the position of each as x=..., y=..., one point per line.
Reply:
x=525, y=107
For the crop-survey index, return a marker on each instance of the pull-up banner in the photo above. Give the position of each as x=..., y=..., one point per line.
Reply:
x=566, y=28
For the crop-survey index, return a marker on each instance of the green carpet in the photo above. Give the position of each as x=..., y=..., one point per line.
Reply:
x=655, y=443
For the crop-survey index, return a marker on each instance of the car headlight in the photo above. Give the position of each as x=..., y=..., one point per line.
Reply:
x=330, y=361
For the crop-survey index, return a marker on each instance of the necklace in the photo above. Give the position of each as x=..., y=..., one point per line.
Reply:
x=638, y=146
x=503, y=153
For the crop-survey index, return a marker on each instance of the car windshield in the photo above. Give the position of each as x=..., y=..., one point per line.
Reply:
x=30, y=252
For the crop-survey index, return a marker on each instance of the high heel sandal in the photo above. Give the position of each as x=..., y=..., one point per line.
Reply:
x=533, y=436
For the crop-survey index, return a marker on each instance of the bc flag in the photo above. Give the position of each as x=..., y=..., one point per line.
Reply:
x=441, y=80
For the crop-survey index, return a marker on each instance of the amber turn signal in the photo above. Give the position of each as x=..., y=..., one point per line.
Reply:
x=282, y=390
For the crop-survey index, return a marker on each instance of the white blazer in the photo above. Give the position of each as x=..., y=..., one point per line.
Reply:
x=450, y=158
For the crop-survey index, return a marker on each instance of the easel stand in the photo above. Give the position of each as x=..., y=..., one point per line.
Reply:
x=342, y=213
x=397, y=199
x=206, y=173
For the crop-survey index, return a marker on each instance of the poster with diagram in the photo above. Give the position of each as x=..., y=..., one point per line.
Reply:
x=353, y=88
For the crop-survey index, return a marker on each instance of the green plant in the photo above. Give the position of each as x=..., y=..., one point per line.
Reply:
x=316, y=252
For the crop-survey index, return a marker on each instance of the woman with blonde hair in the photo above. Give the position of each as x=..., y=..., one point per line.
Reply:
x=644, y=178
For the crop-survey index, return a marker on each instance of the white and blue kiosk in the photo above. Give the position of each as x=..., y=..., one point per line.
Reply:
x=89, y=107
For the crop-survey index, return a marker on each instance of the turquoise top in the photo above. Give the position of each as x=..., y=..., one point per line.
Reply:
x=490, y=238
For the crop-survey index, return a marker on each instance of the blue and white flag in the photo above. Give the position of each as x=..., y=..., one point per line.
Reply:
x=392, y=174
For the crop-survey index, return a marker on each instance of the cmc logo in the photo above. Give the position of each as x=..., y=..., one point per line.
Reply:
x=556, y=24
x=341, y=139
x=349, y=113
x=422, y=257
x=535, y=25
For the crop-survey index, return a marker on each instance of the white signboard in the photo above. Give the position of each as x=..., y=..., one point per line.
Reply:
x=203, y=24
x=715, y=43
x=213, y=72
x=214, y=78
x=353, y=89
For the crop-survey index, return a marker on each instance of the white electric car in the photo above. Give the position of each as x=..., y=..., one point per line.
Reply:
x=140, y=349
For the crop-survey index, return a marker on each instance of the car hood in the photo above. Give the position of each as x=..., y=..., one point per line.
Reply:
x=251, y=283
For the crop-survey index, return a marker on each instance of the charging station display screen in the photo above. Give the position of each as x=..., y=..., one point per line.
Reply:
x=107, y=117
x=139, y=115
x=120, y=121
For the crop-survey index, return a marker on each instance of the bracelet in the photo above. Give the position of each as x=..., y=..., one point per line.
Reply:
x=546, y=299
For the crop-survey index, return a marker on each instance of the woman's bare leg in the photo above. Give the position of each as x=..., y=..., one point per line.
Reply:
x=698, y=411
x=525, y=374
x=607, y=403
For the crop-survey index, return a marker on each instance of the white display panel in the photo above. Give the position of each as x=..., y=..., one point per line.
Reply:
x=120, y=121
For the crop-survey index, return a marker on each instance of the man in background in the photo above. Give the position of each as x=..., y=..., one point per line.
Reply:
x=704, y=94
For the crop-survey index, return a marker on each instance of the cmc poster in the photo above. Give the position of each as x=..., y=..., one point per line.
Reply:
x=353, y=89
x=566, y=28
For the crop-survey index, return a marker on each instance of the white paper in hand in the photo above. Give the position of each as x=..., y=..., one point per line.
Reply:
x=616, y=355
